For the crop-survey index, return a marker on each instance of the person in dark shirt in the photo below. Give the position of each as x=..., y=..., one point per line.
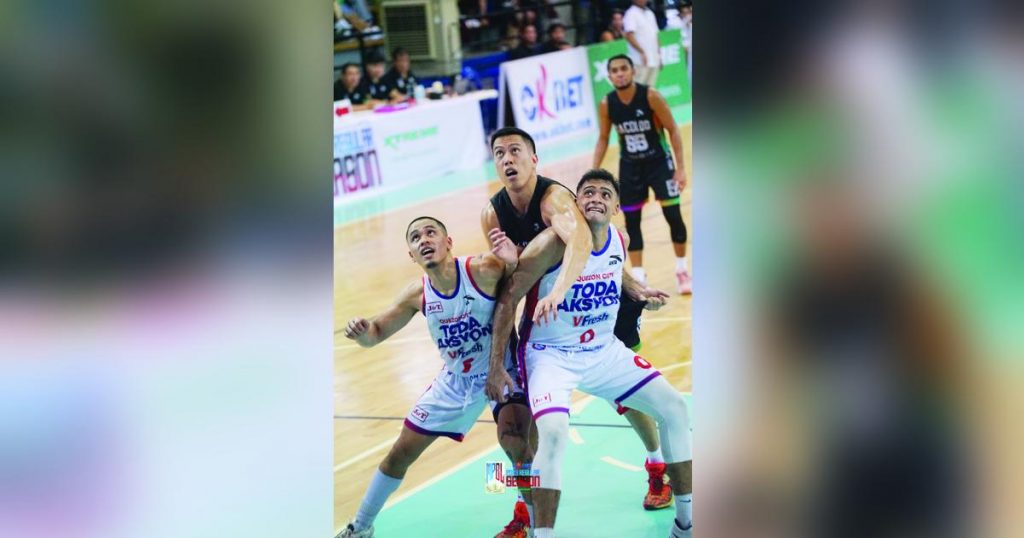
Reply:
x=400, y=80
x=527, y=43
x=556, y=36
x=350, y=87
x=375, y=84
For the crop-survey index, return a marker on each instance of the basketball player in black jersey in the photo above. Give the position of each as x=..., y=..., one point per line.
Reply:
x=527, y=205
x=640, y=116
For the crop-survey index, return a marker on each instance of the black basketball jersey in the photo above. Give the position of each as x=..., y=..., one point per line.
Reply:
x=377, y=90
x=634, y=122
x=522, y=229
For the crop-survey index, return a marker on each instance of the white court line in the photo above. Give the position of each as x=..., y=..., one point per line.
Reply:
x=407, y=339
x=612, y=461
x=665, y=320
x=395, y=500
x=442, y=476
x=364, y=453
x=674, y=366
x=574, y=436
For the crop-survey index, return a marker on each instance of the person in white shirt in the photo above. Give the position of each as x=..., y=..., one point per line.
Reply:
x=642, y=37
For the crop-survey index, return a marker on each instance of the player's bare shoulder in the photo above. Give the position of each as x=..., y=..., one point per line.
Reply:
x=411, y=296
x=488, y=218
x=555, y=201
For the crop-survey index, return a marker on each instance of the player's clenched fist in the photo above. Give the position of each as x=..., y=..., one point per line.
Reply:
x=356, y=327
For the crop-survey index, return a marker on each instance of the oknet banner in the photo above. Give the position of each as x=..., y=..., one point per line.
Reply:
x=550, y=95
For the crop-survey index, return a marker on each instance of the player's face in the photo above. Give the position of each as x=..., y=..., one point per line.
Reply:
x=352, y=77
x=376, y=71
x=513, y=160
x=598, y=202
x=620, y=73
x=402, y=63
x=429, y=245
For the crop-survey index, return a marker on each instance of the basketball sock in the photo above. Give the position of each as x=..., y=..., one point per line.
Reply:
x=684, y=510
x=381, y=487
x=655, y=456
x=681, y=264
x=544, y=533
x=639, y=274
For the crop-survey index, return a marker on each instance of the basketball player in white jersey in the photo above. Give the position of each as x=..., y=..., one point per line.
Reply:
x=456, y=295
x=574, y=347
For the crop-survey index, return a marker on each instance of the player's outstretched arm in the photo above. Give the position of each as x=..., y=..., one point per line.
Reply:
x=664, y=115
x=368, y=333
x=602, y=134
x=653, y=299
x=559, y=208
x=544, y=251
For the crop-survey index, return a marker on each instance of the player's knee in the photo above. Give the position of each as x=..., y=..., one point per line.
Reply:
x=514, y=443
x=636, y=236
x=398, y=460
x=676, y=226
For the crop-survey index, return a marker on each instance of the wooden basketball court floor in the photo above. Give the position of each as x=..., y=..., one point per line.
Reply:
x=443, y=494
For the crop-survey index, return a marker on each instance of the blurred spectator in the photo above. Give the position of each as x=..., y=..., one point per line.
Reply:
x=375, y=84
x=564, y=45
x=527, y=43
x=475, y=12
x=350, y=87
x=353, y=16
x=556, y=36
x=641, y=28
x=357, y=8
x=400, y=80
x=614, y=30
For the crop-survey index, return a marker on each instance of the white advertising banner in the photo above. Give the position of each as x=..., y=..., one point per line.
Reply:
x=550, y=95
x=380, y=152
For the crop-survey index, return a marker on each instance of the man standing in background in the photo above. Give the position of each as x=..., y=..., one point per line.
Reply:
x=641, y=28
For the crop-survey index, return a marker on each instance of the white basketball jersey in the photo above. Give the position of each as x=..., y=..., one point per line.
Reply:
x=586, y=318
x=461, y=323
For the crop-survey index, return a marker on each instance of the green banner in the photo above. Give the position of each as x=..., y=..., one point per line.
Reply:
x=673, y=83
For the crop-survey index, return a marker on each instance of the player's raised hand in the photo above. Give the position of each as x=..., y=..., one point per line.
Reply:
x=497, y=380
x=547, y=306
x=356, y=327
x=503, y=247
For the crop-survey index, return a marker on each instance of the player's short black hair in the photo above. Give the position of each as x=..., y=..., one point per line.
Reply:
x=349, y=64
x=619, y=57
x=509, y=131
x=409, y=227
x=599, y=174
x=374, y=58
x=398, y=51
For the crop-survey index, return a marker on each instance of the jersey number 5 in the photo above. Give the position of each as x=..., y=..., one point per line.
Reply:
x=466, y=365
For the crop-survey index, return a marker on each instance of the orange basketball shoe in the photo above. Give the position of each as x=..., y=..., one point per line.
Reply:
x=659, y=493
x=519, y=527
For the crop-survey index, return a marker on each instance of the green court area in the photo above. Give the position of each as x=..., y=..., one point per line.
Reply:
x=603, y=487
